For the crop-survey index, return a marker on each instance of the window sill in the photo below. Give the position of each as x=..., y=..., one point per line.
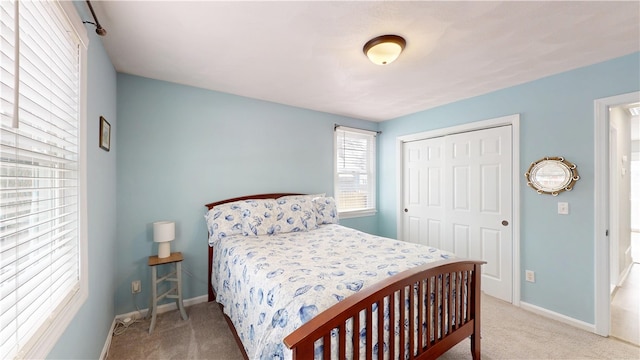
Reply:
x=357, y=213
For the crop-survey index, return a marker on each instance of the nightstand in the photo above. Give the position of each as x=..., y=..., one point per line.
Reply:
x=175, y=292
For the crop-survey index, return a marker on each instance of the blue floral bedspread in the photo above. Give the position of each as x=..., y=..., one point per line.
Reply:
x=271, y=285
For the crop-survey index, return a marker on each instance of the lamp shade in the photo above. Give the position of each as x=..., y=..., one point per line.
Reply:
x=385, y=49
x=163, y=232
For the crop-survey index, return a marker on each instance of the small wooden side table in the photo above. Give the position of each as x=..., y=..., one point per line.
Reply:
x=175, y=292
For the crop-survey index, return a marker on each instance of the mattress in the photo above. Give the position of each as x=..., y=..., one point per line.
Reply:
x=271, y=285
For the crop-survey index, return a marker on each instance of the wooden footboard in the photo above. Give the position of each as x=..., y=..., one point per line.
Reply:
x=443, y=309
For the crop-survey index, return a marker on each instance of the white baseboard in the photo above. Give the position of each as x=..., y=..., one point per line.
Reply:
x=625, y=274
x=164, y=308
x=558, y=317
x=138, y=314
x=107, y=344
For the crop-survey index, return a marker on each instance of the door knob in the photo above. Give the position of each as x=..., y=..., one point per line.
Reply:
x=505, y=223
x=406, y=210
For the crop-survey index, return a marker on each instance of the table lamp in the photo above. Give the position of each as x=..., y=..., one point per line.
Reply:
x=163, y=233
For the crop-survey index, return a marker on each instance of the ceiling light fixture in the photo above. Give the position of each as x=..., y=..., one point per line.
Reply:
x=383, y=50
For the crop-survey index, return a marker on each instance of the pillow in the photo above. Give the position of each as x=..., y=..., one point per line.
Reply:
x=326, y=210
x=223, y=220
x=258, y=217
x=296, y=197
x=296, y=214
x=262, y=217
x=304, y=198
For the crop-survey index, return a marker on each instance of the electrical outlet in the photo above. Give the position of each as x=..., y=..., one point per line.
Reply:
x=135, y=287
x=530, y=276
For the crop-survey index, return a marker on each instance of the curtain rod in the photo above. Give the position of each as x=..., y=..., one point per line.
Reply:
x=99, y=29
x=336, y=126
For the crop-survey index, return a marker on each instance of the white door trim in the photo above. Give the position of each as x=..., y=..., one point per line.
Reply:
x=614, y=209
x=601, y=207
x=514, y=121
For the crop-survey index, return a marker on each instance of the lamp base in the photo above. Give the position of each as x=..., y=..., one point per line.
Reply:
x=164, y=249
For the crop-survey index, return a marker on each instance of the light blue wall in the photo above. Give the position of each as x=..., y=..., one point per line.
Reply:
x=557, y=119
x=181, y=147
x=85, y=336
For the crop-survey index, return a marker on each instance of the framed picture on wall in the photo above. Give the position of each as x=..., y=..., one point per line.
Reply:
x=105, y=134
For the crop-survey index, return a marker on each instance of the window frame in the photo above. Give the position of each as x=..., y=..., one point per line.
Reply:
x=48, y=334
x=371, y=172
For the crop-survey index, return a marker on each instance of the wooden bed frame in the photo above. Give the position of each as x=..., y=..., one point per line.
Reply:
x=458, y=319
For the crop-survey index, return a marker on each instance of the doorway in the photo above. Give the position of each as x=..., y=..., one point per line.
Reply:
x=617, y=285
x=440, y=170
x=625, y=273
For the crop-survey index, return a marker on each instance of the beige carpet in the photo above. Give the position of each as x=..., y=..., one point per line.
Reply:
x=508, y=332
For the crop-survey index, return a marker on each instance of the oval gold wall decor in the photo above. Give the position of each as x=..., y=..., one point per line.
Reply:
x=552, y=175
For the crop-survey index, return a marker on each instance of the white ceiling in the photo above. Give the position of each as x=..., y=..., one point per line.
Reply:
x=309, y=54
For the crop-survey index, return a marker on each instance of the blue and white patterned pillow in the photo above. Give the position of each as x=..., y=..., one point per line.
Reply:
x=258, y=217
x=223, y=220
x=309, y=197
x=296, y=214
x=326, y=210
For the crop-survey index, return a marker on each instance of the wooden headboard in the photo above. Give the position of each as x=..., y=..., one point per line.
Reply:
x=212, y=296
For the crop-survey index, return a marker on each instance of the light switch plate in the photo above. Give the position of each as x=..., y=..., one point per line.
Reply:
x=530, y=276
x=563, y=208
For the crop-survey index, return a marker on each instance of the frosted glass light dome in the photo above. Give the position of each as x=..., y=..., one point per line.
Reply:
x=385, y=49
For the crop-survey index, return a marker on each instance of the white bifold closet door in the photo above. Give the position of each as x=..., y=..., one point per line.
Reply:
x=457, y=194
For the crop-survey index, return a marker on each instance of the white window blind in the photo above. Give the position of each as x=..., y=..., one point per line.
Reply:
x=355, y=181
x=39, y=170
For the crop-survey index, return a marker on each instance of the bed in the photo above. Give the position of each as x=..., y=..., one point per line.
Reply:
x=294, y=284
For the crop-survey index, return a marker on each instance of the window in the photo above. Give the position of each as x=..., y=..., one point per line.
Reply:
x=42, y=174
x=355, y=176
